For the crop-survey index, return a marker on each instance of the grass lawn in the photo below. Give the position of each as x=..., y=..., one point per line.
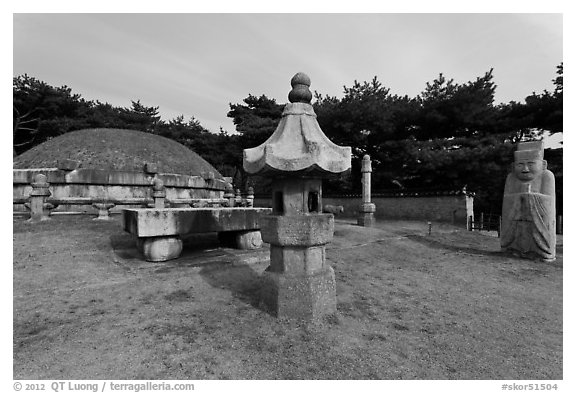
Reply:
x=410, y=306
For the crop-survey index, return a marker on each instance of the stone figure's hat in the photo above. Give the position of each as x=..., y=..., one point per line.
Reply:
x=298, y=144
x=530, y=150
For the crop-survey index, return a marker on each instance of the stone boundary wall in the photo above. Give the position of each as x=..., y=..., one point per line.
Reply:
x=452, y=208
x=76, y=190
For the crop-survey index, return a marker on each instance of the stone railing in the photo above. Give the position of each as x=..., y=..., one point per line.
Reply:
x=66, y=190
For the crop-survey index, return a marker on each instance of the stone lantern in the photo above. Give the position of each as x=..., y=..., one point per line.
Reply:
x=299, y=283
x=40, y=192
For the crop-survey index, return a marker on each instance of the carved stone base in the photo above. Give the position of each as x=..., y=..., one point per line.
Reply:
x=248, y=240
x=39, y=210
x=366, y=214
x=103, y=210
x=244, y=240
x=527, y=255
x=302, y=297
x=38, y=218
x=366, y=219
x=160, y=249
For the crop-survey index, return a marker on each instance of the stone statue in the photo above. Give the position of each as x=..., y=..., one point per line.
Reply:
x=529, y=206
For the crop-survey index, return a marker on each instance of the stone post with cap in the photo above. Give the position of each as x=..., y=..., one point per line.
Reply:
x=367, y=208
x=40, y=192
x=238, y=198
x=229, y=194
x=250, y=197
x=158, y=193
x=299, y=283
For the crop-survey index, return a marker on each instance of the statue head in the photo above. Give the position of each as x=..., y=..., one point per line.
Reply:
x=528, y=164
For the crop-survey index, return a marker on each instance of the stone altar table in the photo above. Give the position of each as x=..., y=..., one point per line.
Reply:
x=158, y=231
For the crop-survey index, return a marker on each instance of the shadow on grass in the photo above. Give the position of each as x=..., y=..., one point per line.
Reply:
x=242, y=281
x=433, y=243
x=501, y=255
x=198, y=249
x=124, y=246
x=218, y=266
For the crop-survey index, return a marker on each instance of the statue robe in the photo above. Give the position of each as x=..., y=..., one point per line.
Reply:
x=529, y=217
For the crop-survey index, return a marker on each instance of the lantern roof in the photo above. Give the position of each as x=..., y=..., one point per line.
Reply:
x=298, y=144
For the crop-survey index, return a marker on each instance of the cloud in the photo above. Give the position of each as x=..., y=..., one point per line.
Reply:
x=195, y=64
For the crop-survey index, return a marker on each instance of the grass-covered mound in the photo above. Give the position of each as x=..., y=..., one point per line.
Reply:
x=107, y=148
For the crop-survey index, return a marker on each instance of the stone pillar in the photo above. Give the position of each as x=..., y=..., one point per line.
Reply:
x=229, y=194
x=40, y=191
x=238, y=199
x=367, y=208
x=250, y=197
x=158, y=194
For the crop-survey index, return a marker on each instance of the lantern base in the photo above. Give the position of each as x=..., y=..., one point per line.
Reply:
x=303, y=297
x=159, y=248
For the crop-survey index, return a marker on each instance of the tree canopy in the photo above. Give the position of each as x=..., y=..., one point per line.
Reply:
x=450, y=136
x=42, y=112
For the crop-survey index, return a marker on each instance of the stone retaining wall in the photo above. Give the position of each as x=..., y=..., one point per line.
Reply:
x=452, y=208
x=76, y=190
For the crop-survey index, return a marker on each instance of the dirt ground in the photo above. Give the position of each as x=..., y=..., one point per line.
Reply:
x=410, y=306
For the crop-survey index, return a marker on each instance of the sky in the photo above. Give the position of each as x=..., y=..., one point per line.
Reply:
x=195, y=65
